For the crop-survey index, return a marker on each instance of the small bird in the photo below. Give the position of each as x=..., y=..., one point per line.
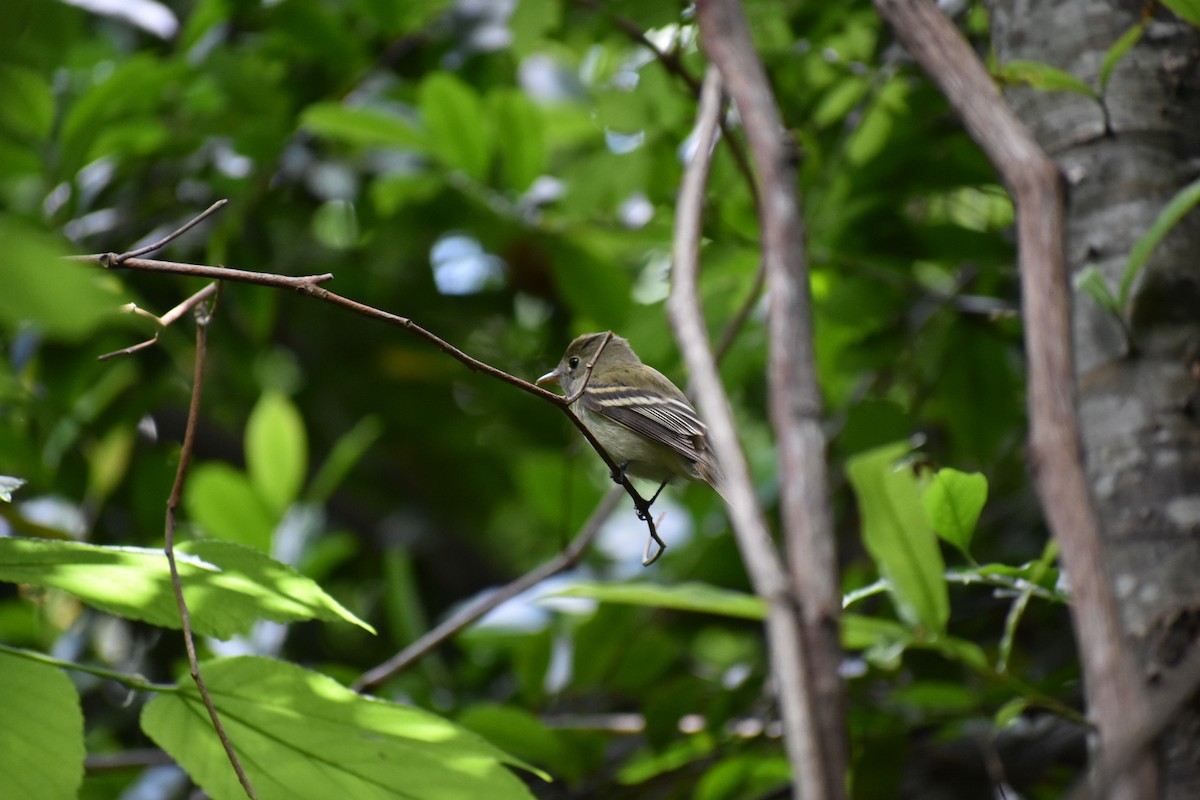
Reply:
x=642, y=419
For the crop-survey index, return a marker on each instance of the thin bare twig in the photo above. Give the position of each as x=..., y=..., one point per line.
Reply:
x=473, y=611
x=763, y=564
x=820, y=755
x=671, y=62
x=1116, y=697
x=175, y=234
x=185, y=457
x=310, y=285
x=163, y=321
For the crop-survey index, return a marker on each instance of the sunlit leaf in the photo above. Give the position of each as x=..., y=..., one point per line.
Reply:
x=228, y=587
x=897, y=534
x=953, y=502
x=224, y=502
x=301, y=735
x=41, y=731
x=690, y=596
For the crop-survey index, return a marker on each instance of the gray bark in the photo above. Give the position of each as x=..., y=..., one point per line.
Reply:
x=1139, y=407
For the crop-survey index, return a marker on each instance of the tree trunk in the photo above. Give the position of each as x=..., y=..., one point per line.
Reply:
x=1139, y=400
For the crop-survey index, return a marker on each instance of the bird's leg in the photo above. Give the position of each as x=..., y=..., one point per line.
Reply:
x=661, y=486
x=619, y=475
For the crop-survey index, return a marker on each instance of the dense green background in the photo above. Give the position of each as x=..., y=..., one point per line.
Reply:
x=507, y=182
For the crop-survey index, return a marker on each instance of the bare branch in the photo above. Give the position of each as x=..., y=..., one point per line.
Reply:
x=1115, y=695
x=185, y=457
x=473, y=611
x=175, y=234
x=165, y=320
x=795, y=399
x=310, y=285
x=763, y=564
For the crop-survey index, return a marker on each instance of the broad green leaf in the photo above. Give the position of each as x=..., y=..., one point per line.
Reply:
x=128, y=98
x=860, y=632
x=1184, y=201
x=519, y=732
x=520, y=142
x=1042, y=76
x=530, y=21
x=1118, y=51
x=8, y=485
x=41, y=731
x=1091, y=281
x=225, y=504
x=28, y=108
x=1188, y=10
x=455, y=124
x=335, y=225
x=347, y=451
x=228, y=587
x=1008, y=713
x=62, y=298
x=301, y=735
x=691, y=596
x=897, y=535
x=953, y=502
x=365, y=127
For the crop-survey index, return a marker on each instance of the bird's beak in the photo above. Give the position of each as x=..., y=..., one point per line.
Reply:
x=549, y=377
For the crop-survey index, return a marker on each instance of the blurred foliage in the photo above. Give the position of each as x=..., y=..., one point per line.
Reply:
x=504, y=174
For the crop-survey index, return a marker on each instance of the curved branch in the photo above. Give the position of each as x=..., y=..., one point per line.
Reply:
x=1115, y=694
x=481, y=606
x=795, y=399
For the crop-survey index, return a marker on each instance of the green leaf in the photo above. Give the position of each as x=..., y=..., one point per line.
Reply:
x=225, y=504
x=300, y=734
x=518, y=732
x=860, y=632
x=8, y=485
x=691, y=596
x=28, y=108
x=1008, y=713
x=455, y=124
x=953, y=502
x=63, y=298
x=1184, y=201
x=1091, y=281
x=365, y=127
x=1188, y=10
x=519, y=138
x=335, y=224
x=897, y=534
x=228, y=587
x=41, y=731
x=1118, y=51
x=347, y=451
x=1042, y=76
x=276, y=450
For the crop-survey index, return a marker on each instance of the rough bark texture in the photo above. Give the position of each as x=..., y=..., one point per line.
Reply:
x=1139, y=410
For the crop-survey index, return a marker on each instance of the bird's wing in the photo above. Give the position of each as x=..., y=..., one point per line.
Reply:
x=661, y=418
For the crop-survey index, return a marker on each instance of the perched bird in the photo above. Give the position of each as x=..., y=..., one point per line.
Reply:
x=642, y=419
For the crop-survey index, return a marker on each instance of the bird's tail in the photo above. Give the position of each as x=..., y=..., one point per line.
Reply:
x=710, y=472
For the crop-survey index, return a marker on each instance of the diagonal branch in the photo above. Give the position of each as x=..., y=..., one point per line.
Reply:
x=1115, y=695
x=795, y=399
x=185, y=457
x=478, y=608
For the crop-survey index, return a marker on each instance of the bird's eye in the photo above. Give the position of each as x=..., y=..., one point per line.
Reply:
x=573, y=362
